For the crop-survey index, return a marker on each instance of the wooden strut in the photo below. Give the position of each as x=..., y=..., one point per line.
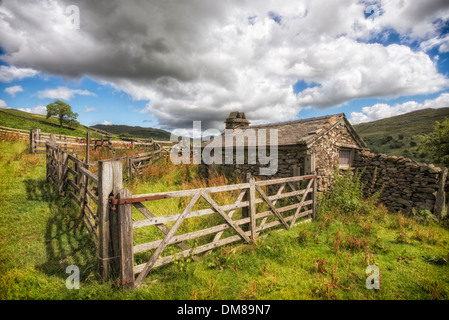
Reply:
x=114, y=201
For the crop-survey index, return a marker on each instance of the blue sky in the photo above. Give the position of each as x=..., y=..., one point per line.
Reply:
x=160, y=64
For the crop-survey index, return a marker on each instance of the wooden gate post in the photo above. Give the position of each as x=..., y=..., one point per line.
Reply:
x=314, y=196
x=109, y=183
x=125, y=241
x=252, y=206
x=245, y=210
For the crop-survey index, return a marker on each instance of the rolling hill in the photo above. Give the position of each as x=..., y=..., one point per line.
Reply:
x=17, y=119
x=135, y=131
x=399, y=135
x=13, y=118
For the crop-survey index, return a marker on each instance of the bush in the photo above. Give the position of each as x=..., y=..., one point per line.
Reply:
x=347, y=198
x=346, y=194
x=423, y=216
x=396, y=144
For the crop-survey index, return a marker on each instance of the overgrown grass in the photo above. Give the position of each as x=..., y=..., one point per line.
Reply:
x=41, y=234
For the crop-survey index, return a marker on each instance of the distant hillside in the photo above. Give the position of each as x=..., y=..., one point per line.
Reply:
x=135, y=131
x=13, y=118
x=398, y=135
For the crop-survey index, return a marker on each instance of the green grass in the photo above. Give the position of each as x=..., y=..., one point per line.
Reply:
x=399, y=135
x=13, y=118
x=135, y=131
x=41, y=234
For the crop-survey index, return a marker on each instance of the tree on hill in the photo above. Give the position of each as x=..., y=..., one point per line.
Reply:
x=436, y=143
x=63, y=111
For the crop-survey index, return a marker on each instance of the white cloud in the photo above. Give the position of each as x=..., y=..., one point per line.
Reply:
x=87, y=109
x=383, y=110
x=200, y=60
x=441, y=42
x=347, y=70
x=3, y=104
x=106, y=123
x=13, y=90
x=37, y=110
x=63, y=93
x=11, y=73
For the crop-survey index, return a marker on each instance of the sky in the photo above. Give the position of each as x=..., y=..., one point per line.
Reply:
x=165, y=64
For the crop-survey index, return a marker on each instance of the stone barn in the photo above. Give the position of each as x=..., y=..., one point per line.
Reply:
x=303, y=147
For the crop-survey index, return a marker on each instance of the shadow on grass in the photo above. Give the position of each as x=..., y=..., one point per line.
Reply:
x=67, y=242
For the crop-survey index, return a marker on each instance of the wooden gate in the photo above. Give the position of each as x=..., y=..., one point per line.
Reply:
x=255, y=206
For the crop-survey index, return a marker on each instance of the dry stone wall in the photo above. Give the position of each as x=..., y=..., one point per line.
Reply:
x=406, y=183
x=288, y=159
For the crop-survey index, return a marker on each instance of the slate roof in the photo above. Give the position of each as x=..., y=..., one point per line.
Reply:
x=303, y=132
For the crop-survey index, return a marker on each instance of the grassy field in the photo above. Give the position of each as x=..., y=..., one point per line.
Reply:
x=399, y=135
x=41, y=235
x=13, y=118
x=135, y=131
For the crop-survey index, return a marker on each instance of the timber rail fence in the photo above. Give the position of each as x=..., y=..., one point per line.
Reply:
x=38, y=139
x=117, y=220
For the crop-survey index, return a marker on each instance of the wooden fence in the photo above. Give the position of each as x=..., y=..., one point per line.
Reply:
x=72, y=143
x=259, y=211
x=14, y=134
x=71, y=176
x=136, y=233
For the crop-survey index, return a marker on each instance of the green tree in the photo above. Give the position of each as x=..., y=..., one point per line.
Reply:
x=436, y=143
x=63, y=111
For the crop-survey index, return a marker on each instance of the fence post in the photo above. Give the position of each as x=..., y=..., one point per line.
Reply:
x=314, y=196
x=47, y=161
x=59, y=169
x=252, y=206
x=125, y=241
x=109, y=183
x=87, y=148
x=439, y=208
x=62, y=170
x=32, y=141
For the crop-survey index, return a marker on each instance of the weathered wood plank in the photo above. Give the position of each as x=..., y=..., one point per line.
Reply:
x=149, y=265
x=282, y=180
x=110, y=181
x=126, y=242
x=197, y=250
x=91, y=175
x=207, y=247
x=252, y=207
x=216, y=207
x=147, y=213
x=192, y=192
x=301, y=203
x=274, y=199
x=92, y=196
x=315, y=193
x=198, y=213
x=231, y=213
x=272, y=207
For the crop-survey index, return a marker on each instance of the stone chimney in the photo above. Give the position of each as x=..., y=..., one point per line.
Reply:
x=236, y=120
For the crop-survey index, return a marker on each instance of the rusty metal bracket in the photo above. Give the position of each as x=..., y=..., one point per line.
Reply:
x=114, y=201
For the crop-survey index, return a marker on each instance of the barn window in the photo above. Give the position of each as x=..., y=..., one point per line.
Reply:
x=345, y=158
